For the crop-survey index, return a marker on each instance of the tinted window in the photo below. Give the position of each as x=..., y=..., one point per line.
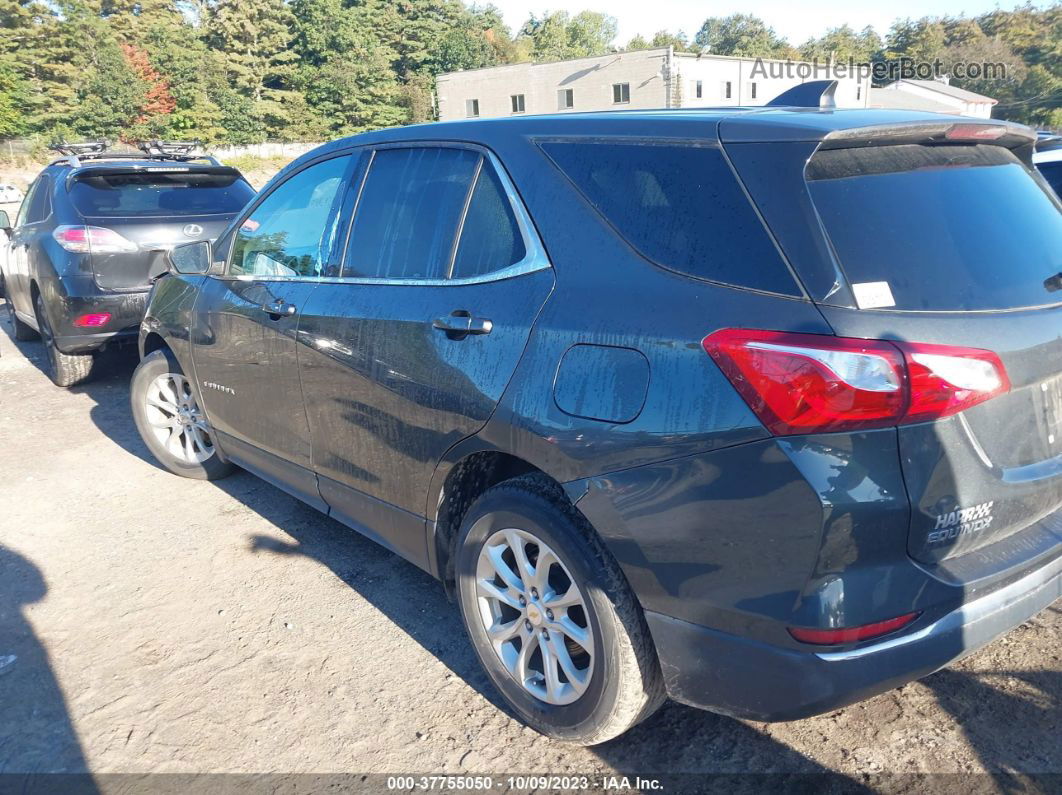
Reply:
x=171, y=195
x=292, y=232
x=407, y=216
x=681, y=207
x=1053, y=174
x=38, y=205
x=947, y=227
x=490, y=236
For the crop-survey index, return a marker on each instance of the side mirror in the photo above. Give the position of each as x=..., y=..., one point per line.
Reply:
x=5, y=221
x=191, y=258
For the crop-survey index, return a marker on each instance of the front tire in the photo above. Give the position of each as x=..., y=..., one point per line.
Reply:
x=171, y=423
x=551, y=616
x=64, y=369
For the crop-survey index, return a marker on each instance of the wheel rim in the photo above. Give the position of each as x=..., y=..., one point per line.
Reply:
x=175, y=419
x=535, y=616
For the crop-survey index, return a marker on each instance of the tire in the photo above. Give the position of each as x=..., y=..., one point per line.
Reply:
x=64, y=369
x=23, y=332
x=185, y=447
x=616, y=679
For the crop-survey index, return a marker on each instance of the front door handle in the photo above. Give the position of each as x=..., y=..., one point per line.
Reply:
x=278, y=309
x=460, y=323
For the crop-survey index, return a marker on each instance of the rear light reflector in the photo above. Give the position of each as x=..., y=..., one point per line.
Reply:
x=812, y=383
x=94, y=320
x=835, y=637
x=92, y=240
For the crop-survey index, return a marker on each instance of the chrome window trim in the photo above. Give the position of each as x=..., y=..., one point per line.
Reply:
x=535, y=257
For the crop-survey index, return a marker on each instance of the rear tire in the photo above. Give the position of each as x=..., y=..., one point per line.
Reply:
x=64, y=369
x=23, y=332
x=574, y=616
x=167, y=414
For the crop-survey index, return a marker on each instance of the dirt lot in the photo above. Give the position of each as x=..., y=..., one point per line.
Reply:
x=161, y=624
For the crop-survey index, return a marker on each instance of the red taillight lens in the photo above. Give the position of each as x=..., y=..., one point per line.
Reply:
x=946, y=380
x=94, y=320
x=805, y=383
x=975, y=132
x=835, y=637
x=92, y=240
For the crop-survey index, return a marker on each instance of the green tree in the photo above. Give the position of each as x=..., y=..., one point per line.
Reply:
x=742, y=35
x=843, y=43
x=558, y=35
x=255, y=38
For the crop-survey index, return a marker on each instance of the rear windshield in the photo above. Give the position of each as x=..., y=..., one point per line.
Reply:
x=944, y=227
x=165, y=194
x=680, y=206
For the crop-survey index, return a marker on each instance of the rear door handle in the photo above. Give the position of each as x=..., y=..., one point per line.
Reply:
x=460, y=323
x=278, y=309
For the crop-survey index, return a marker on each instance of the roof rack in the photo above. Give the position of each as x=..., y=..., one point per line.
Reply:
x=179, y=151
x=81, y=149
x=813, y=94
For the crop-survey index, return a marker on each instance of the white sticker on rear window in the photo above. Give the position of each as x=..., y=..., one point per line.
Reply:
x=871, y=295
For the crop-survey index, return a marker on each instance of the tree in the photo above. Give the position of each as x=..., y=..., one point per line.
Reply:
x=742, y=35
x=255, y=36
x=841, y=44
x=557, y=36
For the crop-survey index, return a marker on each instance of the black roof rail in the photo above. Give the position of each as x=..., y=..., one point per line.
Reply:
x=813, y=94
x=81, y=149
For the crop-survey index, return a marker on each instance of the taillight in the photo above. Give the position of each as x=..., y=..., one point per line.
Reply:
x=834, y=637
x=92, y=240
x=810, y=383
x=94, y=320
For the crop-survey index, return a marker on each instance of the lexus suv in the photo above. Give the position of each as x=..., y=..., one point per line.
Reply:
x=91, y=234
x=756, y=408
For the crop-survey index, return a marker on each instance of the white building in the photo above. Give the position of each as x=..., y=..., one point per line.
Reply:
x=656, y=78
x=932, y=95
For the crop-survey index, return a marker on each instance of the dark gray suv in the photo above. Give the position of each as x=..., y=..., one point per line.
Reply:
x=760, y=409
x=92, y=233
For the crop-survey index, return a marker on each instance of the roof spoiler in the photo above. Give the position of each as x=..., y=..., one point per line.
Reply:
x=813, y=94
x=987, y=131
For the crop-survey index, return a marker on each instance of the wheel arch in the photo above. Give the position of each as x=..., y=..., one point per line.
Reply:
x=465, y=473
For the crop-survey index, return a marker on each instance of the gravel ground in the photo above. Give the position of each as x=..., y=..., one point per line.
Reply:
x=170, y=625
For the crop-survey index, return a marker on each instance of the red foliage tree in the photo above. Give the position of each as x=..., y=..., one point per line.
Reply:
x=157, y=101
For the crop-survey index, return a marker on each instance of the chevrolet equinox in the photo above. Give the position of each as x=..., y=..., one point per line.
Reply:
x=756, y=408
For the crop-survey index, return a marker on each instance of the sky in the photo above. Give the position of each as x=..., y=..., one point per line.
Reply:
x=793, y=19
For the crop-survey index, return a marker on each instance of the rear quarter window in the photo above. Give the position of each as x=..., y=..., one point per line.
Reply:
x=948, y=227
x=680, y=206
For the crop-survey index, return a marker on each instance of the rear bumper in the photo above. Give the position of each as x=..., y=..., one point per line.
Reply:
x=750, y=679
x=126, y=310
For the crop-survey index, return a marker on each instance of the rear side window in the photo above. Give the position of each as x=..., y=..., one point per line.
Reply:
x=408, y=213
x=38, y=204
x=1053, y=174
x=490, y=237
x=160, y=194
x=679, y=206
x=946, y=227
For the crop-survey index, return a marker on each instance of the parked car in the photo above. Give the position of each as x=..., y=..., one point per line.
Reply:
x=1048, y=160
x=90, y=236
x=738, y=406
x=9, y=194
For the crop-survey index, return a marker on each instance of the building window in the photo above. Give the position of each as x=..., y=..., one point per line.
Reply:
x=700, y=89
x=752, y=91
x=472, y=108
x=621, y=93
x=728, y=89
x=566, y=99
x=518, y=103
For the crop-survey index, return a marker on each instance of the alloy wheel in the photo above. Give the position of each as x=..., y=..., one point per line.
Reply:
x=535, y=616
x=176, y=420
